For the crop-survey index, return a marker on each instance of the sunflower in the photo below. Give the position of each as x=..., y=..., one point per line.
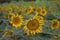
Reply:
x=33, y=26
x=37, y=10
x=29, y=10
x=19, y=12
x=10, y=15
x=43, y=11
x=2, y=9
x=16, y=7
x=7, y=33
x=54, y=24
x=10, y=10
x=16, y=21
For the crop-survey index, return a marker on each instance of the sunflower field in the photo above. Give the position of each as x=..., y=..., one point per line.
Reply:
x=29, y=20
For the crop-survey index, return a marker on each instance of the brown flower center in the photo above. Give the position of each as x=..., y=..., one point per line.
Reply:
x=33, y=24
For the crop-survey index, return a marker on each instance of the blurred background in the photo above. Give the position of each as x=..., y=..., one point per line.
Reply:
x=8, y=1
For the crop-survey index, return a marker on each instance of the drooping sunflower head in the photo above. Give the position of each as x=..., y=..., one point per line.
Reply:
x=33, y=26
x=54, y=24
x=7, y=33
x=19, y=12
x=16, y=21
x=10, y=15
x=29, y=10
x=10, y=10
x=2, y=9
x=43, y=6
x=37, y=10
x=16, y=7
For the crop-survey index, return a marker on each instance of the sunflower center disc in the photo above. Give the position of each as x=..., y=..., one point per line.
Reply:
x=33, y=24
x=16, y=20
x=55, y=24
